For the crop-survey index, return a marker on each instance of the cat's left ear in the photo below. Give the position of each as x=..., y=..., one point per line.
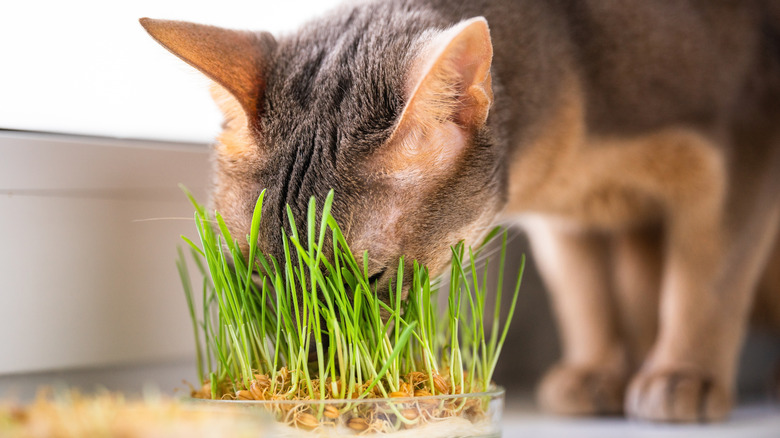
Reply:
x=450, y=78
x=234, y=59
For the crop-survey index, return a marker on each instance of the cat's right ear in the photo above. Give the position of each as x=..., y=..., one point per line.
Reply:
x=450, y=79
x=235, y=60
x=448, y=97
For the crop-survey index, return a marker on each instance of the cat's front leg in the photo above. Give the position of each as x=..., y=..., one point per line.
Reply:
x=591, y=377
x=686, y=377
x=708, y=282
x=637, y=261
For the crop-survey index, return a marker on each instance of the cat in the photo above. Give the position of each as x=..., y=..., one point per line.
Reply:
x=638, y=143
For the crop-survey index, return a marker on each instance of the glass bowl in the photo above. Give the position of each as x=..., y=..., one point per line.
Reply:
x=440, y=416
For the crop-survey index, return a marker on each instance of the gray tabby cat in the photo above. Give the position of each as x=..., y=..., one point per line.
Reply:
x=638, y=141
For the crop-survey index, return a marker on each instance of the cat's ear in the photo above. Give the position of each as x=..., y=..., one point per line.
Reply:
x=450, y=78
x=235, y=60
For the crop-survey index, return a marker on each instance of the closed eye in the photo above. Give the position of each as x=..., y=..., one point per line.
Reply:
x=374, y=278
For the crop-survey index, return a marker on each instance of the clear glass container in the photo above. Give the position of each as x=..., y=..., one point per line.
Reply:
x=441, y=416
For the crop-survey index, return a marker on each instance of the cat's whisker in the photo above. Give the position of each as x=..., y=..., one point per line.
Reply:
x=479, y=262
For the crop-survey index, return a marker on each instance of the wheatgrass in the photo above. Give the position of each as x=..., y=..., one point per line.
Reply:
x=312, y=328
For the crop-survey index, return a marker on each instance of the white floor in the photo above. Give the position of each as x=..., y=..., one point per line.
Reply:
x=747, y=421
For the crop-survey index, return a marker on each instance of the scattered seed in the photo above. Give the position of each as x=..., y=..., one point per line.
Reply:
x=262, y=380
x=398, y=394
x=440, y=384
x=410, y=414
x=244, y=395
x=306, y=420
x=357, y=424
x=331, y=412
x=257, y=391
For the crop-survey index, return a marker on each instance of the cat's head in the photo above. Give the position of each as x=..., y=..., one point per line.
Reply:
x=393, y=118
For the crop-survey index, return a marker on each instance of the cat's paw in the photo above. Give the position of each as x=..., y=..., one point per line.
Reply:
x=677, y=396
x=568, y=390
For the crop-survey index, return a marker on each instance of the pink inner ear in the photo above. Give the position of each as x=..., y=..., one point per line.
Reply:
x=450, y=81
x=414, y=159
x=448, y=102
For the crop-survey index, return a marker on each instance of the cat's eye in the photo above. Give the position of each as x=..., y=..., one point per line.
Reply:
x=376, y=276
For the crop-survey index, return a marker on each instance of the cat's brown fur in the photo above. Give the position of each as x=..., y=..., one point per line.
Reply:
x=638, y=142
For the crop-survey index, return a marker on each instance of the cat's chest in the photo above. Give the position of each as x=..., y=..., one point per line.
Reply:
x=610, y=183
x=585, y=189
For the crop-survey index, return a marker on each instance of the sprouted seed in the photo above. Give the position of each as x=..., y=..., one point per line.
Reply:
x=310, y=328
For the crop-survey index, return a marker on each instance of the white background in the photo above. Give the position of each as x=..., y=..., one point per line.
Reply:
x=88, y=67
x=89, y=225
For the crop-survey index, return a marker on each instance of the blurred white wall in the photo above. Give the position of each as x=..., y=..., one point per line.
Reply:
x=87, y=66
x=88, y=233
x=86, y=278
